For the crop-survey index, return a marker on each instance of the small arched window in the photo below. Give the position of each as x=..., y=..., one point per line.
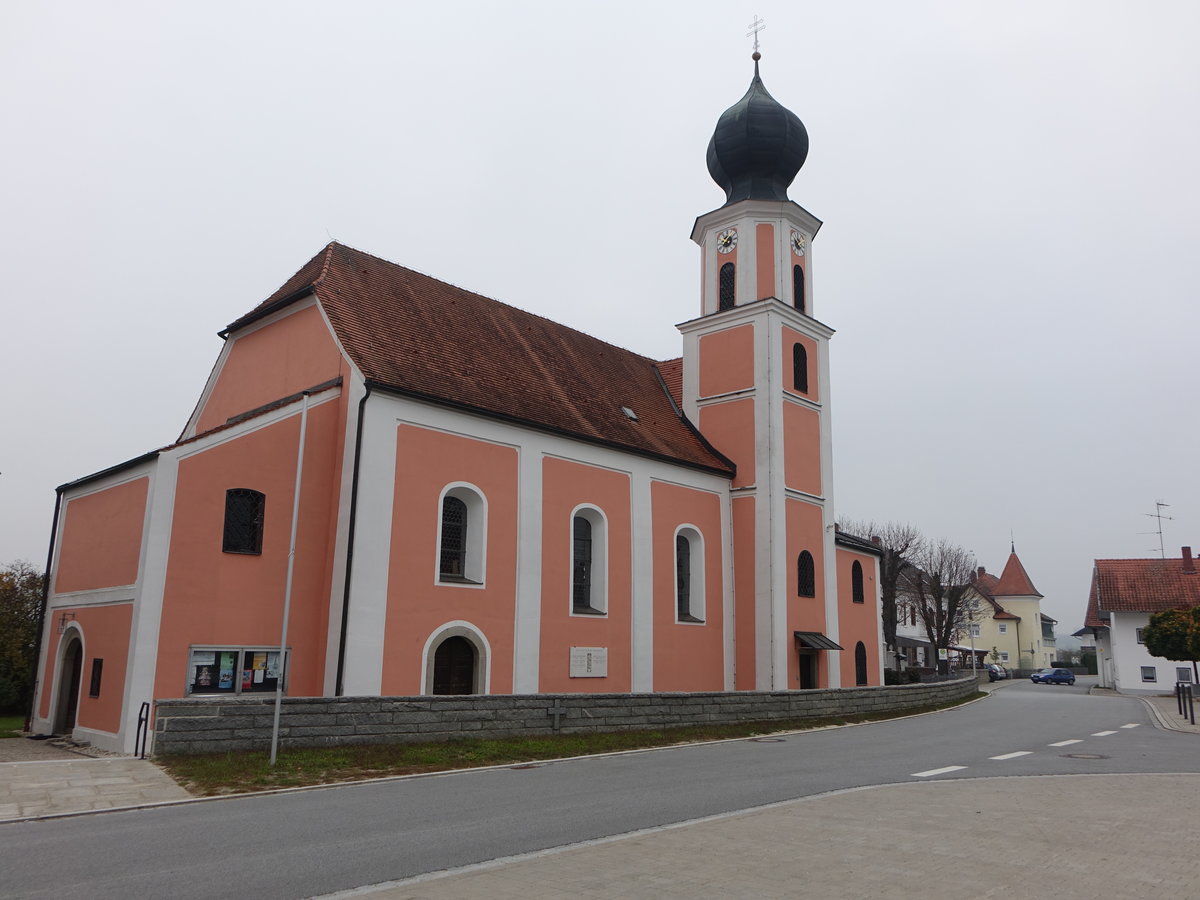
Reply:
x=798, y=287
x=244, y=510
x=806, y=576
x=856, y=583
x=860, y=663
x=454, y=538
x=689, y=576
x=462, y=533
x=800, y=367
x=726, y=285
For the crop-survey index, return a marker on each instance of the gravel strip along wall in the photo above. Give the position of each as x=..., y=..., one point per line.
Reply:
x=211, y=724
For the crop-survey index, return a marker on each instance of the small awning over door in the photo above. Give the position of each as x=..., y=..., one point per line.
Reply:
x=814, y=640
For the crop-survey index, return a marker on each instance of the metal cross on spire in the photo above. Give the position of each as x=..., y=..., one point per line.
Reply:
x=755, y=27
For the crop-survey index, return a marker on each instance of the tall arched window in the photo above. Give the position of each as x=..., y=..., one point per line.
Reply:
x=462, y=535
x=689, y=576
x=799, y=367
x=798, y=287
x=454, y=538
x=244, y=510
x=581, y=564
x=806, y=576
x=856, y=583
x=726, y=285
x=860, y=663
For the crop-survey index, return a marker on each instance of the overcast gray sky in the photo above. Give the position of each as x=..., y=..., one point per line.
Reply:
x=1009, y=192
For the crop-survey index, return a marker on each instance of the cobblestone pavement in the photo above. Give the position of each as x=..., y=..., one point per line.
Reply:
x=978, y=838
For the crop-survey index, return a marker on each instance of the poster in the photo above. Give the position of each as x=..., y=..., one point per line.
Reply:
x=247, y=679
x=225, y=677
x=204, y=657
x=273, y=665
x=203, y=676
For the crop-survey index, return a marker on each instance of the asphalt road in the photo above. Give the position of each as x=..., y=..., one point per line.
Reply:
x=313, y=842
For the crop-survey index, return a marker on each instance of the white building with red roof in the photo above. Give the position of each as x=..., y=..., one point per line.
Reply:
x=452, y=495
x=1124, y=594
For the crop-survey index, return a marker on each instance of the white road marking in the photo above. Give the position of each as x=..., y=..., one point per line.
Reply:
x=1012, y=755
x=1066, y=743
x=1102, y=733
x=1133, y=725
x=941, y=771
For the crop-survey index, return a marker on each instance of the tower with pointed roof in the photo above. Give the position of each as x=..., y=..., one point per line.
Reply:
x=756, y=367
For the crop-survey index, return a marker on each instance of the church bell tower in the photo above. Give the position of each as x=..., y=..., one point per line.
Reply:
x=756, y=371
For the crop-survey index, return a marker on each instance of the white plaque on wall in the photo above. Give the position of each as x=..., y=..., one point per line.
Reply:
x=589, y=662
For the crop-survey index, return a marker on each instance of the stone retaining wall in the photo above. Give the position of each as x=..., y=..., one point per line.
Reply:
x=217, y=724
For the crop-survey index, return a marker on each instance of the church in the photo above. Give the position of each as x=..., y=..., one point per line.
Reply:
x=393, y=486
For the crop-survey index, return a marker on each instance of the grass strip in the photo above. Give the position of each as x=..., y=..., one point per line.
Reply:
x=10, y=726
x=208, y=775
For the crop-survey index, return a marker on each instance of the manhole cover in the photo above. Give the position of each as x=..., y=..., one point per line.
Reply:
x=528, y=766
x=1083, y=756
x=767, y=740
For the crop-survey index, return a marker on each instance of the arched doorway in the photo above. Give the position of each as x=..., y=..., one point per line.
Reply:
x=454, y=666
x=860, y=663
x=69, y=675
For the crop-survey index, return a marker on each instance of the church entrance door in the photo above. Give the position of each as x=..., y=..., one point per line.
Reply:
x=808, y=669
x=68, y=681
x=454, y=667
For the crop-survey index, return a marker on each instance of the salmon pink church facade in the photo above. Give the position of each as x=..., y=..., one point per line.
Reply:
x=487, y=501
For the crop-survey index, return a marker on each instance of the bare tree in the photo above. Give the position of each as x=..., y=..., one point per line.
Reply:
x=939, y=587
x=898, y=542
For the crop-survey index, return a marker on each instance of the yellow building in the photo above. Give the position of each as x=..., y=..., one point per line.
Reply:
x=1008, y=619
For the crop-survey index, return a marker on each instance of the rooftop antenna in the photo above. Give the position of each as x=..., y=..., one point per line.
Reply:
x=755, y=27
x=1157, y=514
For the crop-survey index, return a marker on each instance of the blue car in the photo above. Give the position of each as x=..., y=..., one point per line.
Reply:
x=1053, y=676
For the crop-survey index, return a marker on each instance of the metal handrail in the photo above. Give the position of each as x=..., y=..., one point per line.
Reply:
x=143, y=731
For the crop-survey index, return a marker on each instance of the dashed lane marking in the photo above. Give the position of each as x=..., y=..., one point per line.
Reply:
x=1012, y=755
x=1066, y=743
x=941, y=771
x=1132, y=725
x=1102, y=733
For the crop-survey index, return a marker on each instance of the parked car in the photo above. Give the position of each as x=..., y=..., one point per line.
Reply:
x=996, y=672
x=1053, y=676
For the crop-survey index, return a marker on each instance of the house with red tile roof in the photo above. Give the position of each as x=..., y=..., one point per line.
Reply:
x=1124, y=594
x=391, y=485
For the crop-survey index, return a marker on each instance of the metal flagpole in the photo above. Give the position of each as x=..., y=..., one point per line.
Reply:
x=287, y=590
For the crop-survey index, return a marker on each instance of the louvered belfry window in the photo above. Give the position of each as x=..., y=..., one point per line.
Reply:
x=798, y=287
x=581, y=575
x=800, y=368
x=726, y=286
x=454, y=537
x=806, y=581
x=683, y=576
x=244, y=510
x=856, y=583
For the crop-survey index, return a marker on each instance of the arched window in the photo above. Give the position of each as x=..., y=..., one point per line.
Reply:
x=856, y=583
x=244, y=510
x=588, y=568
x=726, y=284
x=462, y=531
x=798, y=287
x=806, y=576
x=799, y=367
x=860, y=663
x=689, y=576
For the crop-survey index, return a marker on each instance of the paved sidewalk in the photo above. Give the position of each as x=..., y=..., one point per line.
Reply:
x=38, y=778
x=1077, y=837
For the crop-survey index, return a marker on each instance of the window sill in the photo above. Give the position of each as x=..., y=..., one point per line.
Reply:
x=587, y=611
x=688, y=620
x=458, y=579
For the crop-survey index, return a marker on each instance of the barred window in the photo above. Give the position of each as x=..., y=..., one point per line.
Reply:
x=581, y=573
x=727, y=284
x=454, y=538
x=244, y=510
x=800, y=367
x=806, y=576
x=798, y=287
x=856, y=583
x=860, y=663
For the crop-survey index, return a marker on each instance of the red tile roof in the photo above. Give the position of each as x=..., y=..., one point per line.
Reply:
x=425, y=338
x=1092, y=618
x=1014, y=580
x=985, y=585
x=1143, y=585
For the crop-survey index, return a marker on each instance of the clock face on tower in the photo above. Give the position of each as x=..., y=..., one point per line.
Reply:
x=727, y=240
x=799, y=243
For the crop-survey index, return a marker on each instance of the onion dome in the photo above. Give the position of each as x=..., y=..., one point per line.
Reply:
x=757, y=147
